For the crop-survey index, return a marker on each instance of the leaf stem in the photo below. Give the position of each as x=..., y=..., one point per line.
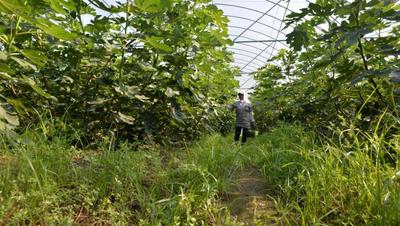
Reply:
x=15, y=33
x=364, y=59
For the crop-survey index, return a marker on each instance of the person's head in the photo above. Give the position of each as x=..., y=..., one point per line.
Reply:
x=241, y=95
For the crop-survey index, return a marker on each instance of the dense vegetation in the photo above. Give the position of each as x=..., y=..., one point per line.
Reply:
x=310, y=183
x=142, y=70
x=340, y=79
x=95, y=97
x=343, y=67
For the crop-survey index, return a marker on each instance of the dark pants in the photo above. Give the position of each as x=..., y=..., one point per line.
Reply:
x=238, y=130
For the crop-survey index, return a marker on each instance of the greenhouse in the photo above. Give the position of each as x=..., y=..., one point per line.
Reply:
x=199, y=112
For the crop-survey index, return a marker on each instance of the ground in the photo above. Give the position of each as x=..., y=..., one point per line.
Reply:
x=247, y=200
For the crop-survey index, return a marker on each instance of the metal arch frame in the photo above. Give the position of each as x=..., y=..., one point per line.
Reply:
x=243, y=62
x=256, y=65
x=280, y=26
x=247, y=88
x=277, y=35
x=253, y=31
x=256, y=57
x=280, y=5
x=261, y=41
x=266, y=25
x=257, y=21
x=291, y=10
x=250, y=46
x=258, y=32
x=244, y=73
x=263, y=51
x=245, y=44
x=240, y=64
x=254, y=10
x=244, y=76
x=251, y=57
x=247, y=51
x=251, y=39
x=244, y=82
x=272, y=45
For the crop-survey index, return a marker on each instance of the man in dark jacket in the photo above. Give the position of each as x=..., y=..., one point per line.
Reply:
x=244, y=117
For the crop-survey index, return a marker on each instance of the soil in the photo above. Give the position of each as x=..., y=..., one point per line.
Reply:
x=248, y=201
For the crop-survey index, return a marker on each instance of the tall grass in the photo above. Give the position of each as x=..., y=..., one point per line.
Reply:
x=46, y=180
x=352, y=179
x=332, y=182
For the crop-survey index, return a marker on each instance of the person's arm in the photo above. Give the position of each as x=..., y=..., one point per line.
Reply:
x=252, y=121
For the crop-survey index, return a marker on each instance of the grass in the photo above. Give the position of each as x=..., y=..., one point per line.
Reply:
x=328, y=182
x=54, y=183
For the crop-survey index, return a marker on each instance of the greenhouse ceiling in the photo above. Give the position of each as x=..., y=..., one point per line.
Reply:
x=258, y=32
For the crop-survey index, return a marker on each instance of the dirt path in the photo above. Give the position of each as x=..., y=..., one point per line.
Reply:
x=248, y=202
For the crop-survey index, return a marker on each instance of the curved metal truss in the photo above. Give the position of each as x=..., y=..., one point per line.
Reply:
x=248, y=63
x=254, y=22
x=247, y=51
x=251, y=57
x=260, y=43
x=253, y=10
x=256, y=28
x=270, y=38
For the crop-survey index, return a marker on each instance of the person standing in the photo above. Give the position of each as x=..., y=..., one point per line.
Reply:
x=244, y=117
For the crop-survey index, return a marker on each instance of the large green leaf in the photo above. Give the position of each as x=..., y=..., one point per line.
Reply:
x=59, y=32
x=19, y=107
x=12, y=120
x=70, y=5
x=15, y=6
x=100, y=4
x=37, y=89
x=35, y=56
x=157, y=42
x=297, y=39
x=5, y=76
x=57, y=6
x=6, y=69
x=55, y=30
x=24, y=64
x=153, y=6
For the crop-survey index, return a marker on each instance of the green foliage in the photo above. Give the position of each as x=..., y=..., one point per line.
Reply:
x=151, y=69
x=339, y=79
x=324, y=181
x=52, y=182
x=343, y=64
x=346, y=181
